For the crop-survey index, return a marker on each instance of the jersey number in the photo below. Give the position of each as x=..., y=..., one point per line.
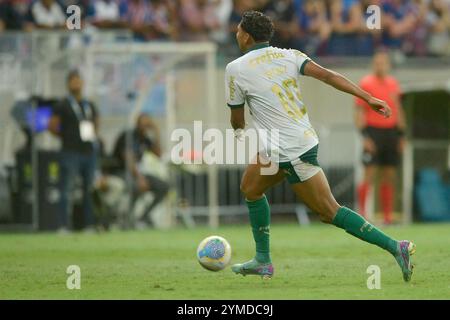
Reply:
x=286, y=96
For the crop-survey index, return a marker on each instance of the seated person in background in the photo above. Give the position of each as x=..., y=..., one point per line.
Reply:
x=110, y=196
x=107, y=13
x=130, y=149
x=47, y=14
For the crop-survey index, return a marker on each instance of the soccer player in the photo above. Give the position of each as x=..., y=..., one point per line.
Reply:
x=383, y=139
x=267, y=79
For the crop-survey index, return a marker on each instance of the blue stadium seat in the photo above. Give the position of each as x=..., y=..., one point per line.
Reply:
x=432, y=196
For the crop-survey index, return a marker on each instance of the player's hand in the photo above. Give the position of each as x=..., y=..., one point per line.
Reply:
x=369, y=145
x=239, y=134
x=380, y=106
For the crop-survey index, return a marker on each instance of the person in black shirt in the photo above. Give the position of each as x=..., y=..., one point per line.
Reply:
x=13, y=16
x=75, y=120
x=129, y=150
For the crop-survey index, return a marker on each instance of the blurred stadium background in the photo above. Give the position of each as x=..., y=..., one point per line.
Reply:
x=166, y=58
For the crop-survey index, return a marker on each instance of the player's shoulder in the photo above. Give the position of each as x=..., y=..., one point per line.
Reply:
x=234, y=65
x=290, y=52
x=298, y=53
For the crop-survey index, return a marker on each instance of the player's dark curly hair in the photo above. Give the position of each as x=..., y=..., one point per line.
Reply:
x=258, y=25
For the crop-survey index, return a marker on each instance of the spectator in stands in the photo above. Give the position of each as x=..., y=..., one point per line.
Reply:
x=107, y=13
x=164, y=13
x=315, y=29
x=47, y=14
x=373, y=37
x=82, y=4
x=222, y=9
x=415, y=43
x=401, y=21
x=149, y=19
x=438, y=26
x=239, y=7
x=198, y=19
x=3, y=16
x=283, y=15
x=383, y=140
x=350, y=35
x=76, y=121
x=235, y=17
x=130, y=149
x=13, y=15
x=138, y=18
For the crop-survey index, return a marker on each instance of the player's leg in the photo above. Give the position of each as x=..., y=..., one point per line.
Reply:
x=389, y=159
x=387, y=191
x=87, y=174
x=316, y=194
x=370, y=160
x=159, y=188
x=69, y=169
x=253, y=186
x=365, y=187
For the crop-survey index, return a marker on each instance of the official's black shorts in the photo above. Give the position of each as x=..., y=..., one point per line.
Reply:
x=386, y=143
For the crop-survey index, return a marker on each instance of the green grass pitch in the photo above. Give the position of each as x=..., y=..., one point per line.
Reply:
x=316, y=262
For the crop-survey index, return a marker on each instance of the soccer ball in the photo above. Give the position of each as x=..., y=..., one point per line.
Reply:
x=214, y=253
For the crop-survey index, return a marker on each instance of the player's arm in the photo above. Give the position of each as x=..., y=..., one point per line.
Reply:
x=359, y=118
x=360, y=123
x=235, y=99
x=401, y=118
x=237, y=118
x=341, y=83
x=401, y=124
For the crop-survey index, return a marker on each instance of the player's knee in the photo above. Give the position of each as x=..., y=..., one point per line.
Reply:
x=327, y=210
x=250, y=191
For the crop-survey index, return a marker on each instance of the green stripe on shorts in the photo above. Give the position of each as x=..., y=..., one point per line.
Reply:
x=309, y=156
x=289, y=172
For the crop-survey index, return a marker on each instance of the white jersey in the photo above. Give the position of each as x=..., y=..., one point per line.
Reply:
x=267, y=79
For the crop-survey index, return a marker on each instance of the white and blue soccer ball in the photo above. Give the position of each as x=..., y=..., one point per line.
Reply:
x=214, y=253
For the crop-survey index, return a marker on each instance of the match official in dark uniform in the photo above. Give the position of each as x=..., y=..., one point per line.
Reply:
x=383, y=139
